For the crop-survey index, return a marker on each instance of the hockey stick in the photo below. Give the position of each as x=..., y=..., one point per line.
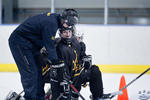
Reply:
x=111, y=95
x=72, y=86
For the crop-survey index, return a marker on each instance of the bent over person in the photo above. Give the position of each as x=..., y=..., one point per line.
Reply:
x=78, y=68
x=26, y=41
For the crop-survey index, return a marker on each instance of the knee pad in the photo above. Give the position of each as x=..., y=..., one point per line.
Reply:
x=95, y=72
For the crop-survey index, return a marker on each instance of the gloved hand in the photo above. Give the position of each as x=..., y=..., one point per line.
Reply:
x=66, y=82
x=57, y=68
x=66, y=76
x=56, y=63
x=87, y=61
x=66, y=86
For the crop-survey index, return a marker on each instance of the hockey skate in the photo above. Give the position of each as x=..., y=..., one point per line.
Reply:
x=14, y=96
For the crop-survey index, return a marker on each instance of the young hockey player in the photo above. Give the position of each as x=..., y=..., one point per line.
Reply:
x=79, y=37
x=78, y=69
x=26, y=41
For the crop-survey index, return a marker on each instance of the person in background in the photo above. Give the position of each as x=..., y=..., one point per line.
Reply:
x=26, y=41
x=79, y=36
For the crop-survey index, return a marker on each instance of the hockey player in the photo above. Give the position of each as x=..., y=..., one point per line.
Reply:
x=78, y=69
x=26, y=41
x=79, y=37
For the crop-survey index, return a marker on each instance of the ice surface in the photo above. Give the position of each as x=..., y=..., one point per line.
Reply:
x=11, y=81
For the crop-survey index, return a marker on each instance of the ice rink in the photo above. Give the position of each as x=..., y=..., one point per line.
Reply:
x=122, y=48
x=11, y=81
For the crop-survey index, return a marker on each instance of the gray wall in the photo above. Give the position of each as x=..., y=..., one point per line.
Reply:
x=90, y=11
x=84, y=3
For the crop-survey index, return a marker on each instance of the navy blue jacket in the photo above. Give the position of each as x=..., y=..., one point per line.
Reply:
x=40, y=30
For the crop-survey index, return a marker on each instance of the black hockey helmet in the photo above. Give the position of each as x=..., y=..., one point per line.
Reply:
x=66, y=28
x=70, y=17
x=64, y=39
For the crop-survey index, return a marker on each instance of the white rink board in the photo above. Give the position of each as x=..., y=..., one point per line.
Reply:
x=107, y=44
x=127, y=45
x=11, y=81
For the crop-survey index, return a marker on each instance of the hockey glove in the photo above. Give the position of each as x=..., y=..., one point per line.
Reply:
x=66, y=86
x=57, y=68
x=56, y=63
x=87, y=61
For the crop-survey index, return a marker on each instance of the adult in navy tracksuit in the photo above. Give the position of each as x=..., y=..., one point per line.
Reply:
x=26, y=41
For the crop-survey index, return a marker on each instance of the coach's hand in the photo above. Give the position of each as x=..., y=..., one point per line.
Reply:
x=56, y=63
x=57, y=68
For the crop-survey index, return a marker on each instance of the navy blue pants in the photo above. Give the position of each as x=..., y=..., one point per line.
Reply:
x=30, y=70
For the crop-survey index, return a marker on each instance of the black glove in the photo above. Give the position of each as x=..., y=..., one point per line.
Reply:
x=87, y=61
x=56, y=63
x=57, y=68
x=66, y=86
x=66, y=82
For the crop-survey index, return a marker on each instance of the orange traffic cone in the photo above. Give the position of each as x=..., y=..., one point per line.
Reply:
x=124, y=95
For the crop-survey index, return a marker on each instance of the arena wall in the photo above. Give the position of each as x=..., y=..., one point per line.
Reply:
x=116, y=48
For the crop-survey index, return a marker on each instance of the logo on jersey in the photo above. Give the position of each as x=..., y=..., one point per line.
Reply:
x=75, y=62
x=48, y=14
x=53, y=38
